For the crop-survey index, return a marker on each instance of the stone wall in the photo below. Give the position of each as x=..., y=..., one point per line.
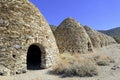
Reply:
x=21, y=25
x=99, y=39
x=95, y=39
x=71, y=37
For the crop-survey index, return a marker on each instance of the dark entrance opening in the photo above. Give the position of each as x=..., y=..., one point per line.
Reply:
x=89, y=46
x=33, y=58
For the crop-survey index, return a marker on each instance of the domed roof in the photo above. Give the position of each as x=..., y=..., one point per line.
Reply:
x=93, y=36
x=72, y=37
x=105, y=39
x=98, y=39
x=21, y=25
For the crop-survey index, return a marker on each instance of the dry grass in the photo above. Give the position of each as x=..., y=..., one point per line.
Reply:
x=74, y=65
x=99, y=59
x=103, y=60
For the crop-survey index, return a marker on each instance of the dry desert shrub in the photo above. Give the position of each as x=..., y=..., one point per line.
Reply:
x=74, y=65
x=103, y=60
x=99, y=59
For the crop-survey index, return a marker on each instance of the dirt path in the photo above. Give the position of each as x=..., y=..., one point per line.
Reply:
x=105, y=72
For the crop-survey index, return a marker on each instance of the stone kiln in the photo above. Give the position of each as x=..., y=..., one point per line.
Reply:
x=99, y=39
x=71, y=37
x=26, y=40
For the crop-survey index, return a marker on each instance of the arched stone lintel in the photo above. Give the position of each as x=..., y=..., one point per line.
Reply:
x=43, y=53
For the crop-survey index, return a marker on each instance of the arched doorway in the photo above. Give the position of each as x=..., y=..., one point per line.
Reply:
x=89, y=46
x=33, y=57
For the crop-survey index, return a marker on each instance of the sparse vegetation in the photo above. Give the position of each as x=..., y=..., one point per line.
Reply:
x=74, y=65
x=103, y=60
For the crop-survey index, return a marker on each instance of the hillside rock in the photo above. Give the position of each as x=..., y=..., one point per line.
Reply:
x=23, y=29
x=71, y=37
x=111, y=32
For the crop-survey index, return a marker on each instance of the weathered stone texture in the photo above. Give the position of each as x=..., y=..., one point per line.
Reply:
x=99, y=39
x=95, y=39
x=105, y=39
x=71, y=37
x=21, y=25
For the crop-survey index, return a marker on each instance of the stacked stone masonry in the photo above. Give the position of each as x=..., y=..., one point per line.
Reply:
x=99, y=39
x=25, y=36
x=21, y=26
x=71, y=37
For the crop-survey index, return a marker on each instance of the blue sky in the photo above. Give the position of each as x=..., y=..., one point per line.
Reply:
x=98, y=14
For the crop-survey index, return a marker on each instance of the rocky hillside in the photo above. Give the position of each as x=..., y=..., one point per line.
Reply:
x=115, y=33
x=112, y=32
